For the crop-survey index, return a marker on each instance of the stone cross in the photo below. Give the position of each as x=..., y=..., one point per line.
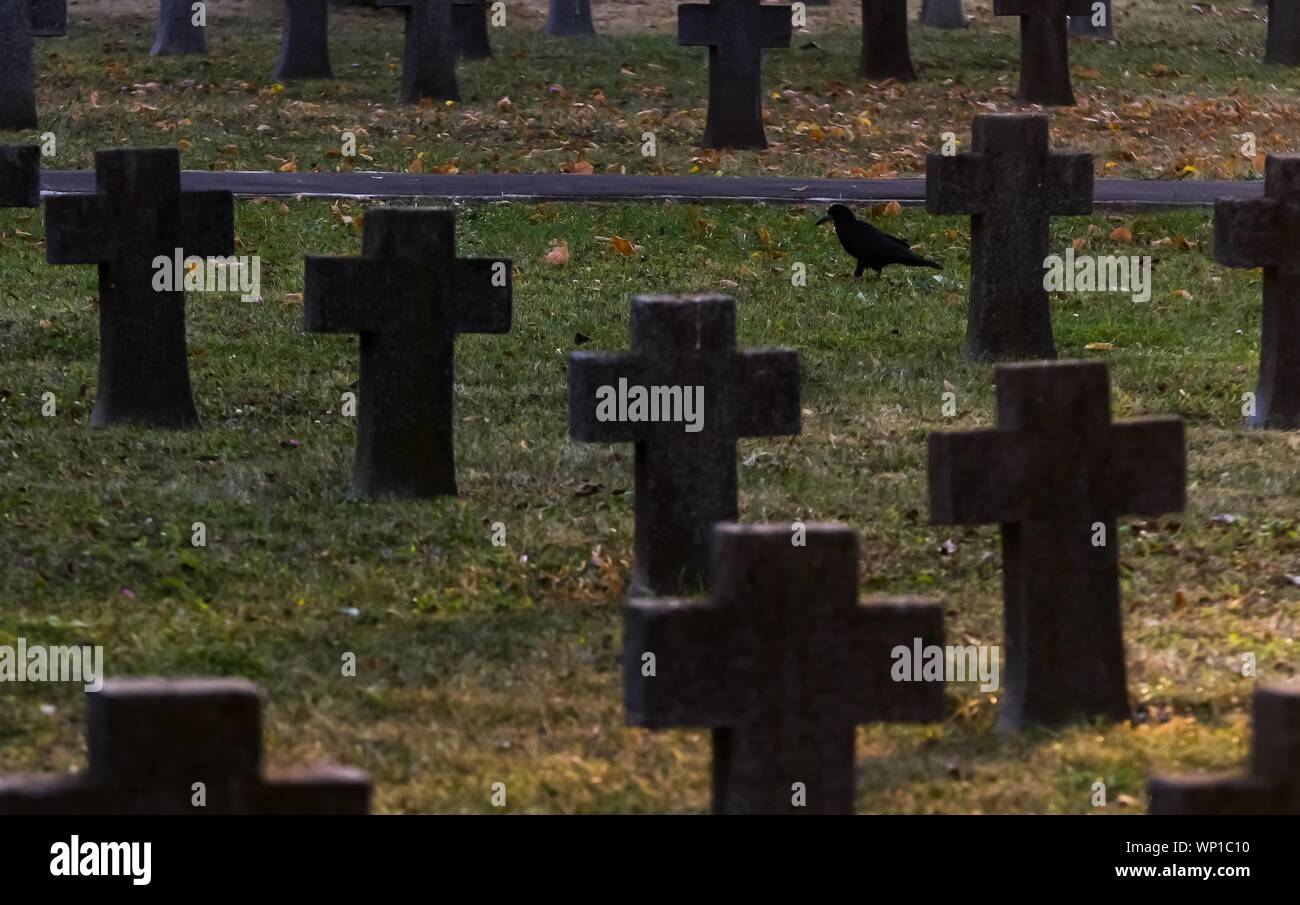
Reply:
x=305, y=46
x=782, y=663
x=138, y=214
x=1266, y=233
x=1083, y=25
x=429, y=60
x=470, y=19
x=1273, y=785
x=569, y=19
x=152, y=740
x=736, y=33
x=1055, y=474
x=408, y=296
x=685, y=480
x=21, y=22
x=49, y=18
x=177, y=32
x=20, y=176
x=1283, y=45
x=943, y=14
x=1044, y=48
x=1011, y=185
x=885, y=52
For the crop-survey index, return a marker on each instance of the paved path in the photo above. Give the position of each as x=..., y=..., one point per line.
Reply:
x=559, y=187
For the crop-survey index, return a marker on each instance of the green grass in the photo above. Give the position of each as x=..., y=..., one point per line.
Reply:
x=481, y=664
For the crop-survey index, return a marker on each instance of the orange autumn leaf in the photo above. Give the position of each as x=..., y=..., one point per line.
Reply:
x=622, y=246
x=1122, y=234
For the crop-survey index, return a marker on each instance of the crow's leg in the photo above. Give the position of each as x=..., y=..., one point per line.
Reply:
x=857, y=274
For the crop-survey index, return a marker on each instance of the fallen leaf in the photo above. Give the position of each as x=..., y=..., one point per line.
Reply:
x=558, y=256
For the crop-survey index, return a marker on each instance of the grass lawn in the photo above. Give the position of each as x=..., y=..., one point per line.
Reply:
x=1169, y=101
x=481, y=664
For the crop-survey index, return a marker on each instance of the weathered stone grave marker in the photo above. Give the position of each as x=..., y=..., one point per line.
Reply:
x=569, y=19
x=943, y=14
x=736, y=33
x=137, y=214
x=1055, y=474
x=179, y=29
x=1273, y=784
x=1044, y=48
x=1283, y=46
x=885, y=51
x=305, y=46
x=1097, y=23
x=1266, y=233
x=685, y=480
x=21, y=22
x=429, y=60
x=470, y=19
x=152, y=740
x=1012, y=185
x=782, y=663
x=408, y=296
x=20, y=176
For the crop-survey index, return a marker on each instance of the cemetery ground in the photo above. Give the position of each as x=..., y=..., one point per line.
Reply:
x=480, y=663
x=1169, y=101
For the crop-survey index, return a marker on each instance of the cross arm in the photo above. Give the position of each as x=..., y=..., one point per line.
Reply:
x=696, y=25
x=316, y=791
x=881, y=626
x=482, y=292
x=688, y=687
x=976, y=477
x=1213, y=795
x=775, y=26
x=588, y=373
x=767, y=393
x=1256, y=233
x=79, y=229
x=1149, y=474
x=207, y=223
x=49, y=18
x=340, y=294
x=20, y=176
x=50, y=794
x=955, y=185
x=1070, y=182
x=1032, y=7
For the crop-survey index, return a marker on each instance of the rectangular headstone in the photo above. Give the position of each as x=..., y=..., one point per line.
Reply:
x=782, y=663
x=1055, y=475
x=152, y=740
x=685, y=481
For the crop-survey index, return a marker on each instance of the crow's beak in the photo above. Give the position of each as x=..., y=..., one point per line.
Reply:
x=826, y=219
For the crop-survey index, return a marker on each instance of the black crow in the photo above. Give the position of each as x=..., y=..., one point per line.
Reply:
x=872, y=248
